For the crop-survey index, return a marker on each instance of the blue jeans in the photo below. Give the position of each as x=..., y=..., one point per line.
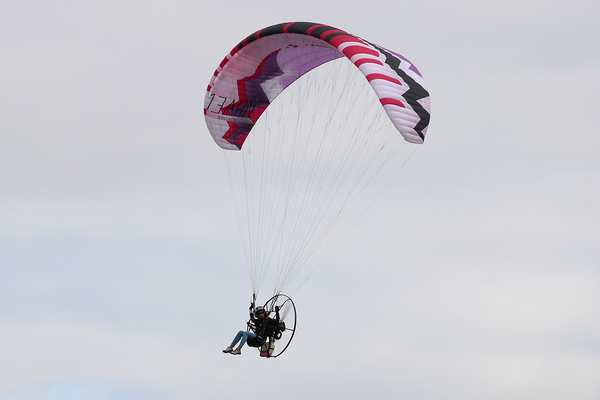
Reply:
x=244, y=335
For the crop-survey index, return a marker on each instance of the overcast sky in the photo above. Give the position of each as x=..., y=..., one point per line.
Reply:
x=476, y=275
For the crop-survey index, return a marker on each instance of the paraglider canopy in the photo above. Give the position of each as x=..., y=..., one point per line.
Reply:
x=265, y=63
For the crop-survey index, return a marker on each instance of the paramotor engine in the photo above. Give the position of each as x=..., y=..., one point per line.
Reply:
x=281, y=308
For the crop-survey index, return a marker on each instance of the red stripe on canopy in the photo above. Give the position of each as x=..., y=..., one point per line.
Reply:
x=372, y=77
x=351, y=51
x=389, y=101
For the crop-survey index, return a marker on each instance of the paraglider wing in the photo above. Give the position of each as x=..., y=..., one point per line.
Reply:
x=268, y=61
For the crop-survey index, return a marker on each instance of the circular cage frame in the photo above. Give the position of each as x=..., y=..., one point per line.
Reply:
x=287, y=314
